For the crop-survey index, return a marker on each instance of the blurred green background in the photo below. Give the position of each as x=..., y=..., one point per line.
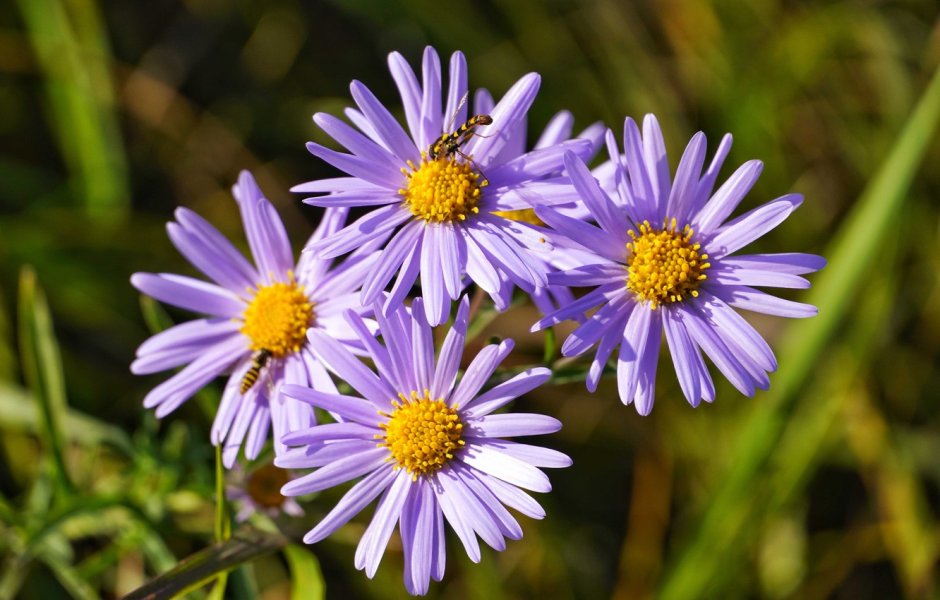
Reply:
x=114, y=113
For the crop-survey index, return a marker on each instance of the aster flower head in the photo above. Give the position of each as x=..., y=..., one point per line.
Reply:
x=259, y=491
x=664, y=263
x=438, y=185
x=256, y=324
x=429, y=445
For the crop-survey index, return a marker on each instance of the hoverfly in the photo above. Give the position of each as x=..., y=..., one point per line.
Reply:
x=258, y=362
x=450, y=143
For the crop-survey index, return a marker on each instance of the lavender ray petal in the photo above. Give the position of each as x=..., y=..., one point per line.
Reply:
x=588, y=275
x=191, y=294
x=746, y=298
x=309, y=457
x=736, y=328
x=453, y=261
x=236, y=435
x=642, y=186
x=372, y=545
x=339, y=360
x=330, y=432
x=337, y=472
x=479, y=372
x=211, y=236
x=590, y=332
x=598, y=241
x=181, y=386
x=354, y=142
x=229, y=404
x=336, y=184
x=512, y=496
x=479, y=268
x=407, y=276
x=431, y=126
x=631, y=346
x=348, y=407
x=383, y=175
x=501, y=394
x=257, y=433
x=376, y=223
x=408, y=89
x=357, y=498
x=448, y=361
x=510, y=109
x=718, y=352
x=505, y=467
x=466, y=504
x=454, y=514
x=790, y=263
x=600, y=206
x=707, y=183
x=646, y=383
x=508, y=526
x=510, y=425
x=684, y=355
x=422, y=349
x=536, y=456
x=386, y=127
x=682, y=197
x=208, y=259
x=723, y=274
x=657, y=164
x=264, y=229
x=606, y=347
x=600, y=295
x=537, y=164
x=457, y=89
x=559, y=129
x=727, y=198
x=752, y=225
x=391, y=259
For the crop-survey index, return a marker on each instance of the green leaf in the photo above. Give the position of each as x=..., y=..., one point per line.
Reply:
x=305, y=575
x=202, y=567
x=42, y=367
x=18, y=412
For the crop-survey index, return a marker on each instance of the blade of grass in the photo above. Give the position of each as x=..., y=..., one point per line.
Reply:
x=305, y=575
x=204, y=566
x=851, y=254
x=75, y=59
x=42, y=367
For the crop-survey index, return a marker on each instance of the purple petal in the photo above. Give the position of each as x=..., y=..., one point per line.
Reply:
x=685, y=355
x=752, y=225
x=264, y=229
x=337, y=472
x=457, y=90
x=537, y=164
x=606, y=347
x=513, y=497
x=499, y=395
x=357, y=498
x=649, y=356
x=431, y=99
x=383, y=175
x=208, y=259
x=373, y=542
x=417, y=535
x=746, y=298
x=508, y=526
x=791, y=263
x=479, y=372
x=510, y=109
x=628, y=362
x=391, y=259
x=408, y=89
x=724, y=274
x=534, y=455
x=727, y=198
x=682, y=198
x=198, y=226
x=191, y=294
x=511, y=425
x=505, y=467
x=707, y=183
x=339, y=360
x=642, y=187
x=348, y=407
x=596, y=240
x=718, y=352
x=386, y=127
x=558, y=130
x=451, y=352
x=376, y=223
x=181, y=386
x=471, y=510
x=330, y=432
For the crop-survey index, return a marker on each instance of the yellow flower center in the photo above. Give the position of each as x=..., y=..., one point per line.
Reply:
x=264, y=486
x=664, y=265
x=422, y=434
x=523, y=215
x=442, y=190
x=277, y=318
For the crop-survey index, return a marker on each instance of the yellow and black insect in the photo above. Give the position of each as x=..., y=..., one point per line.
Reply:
x=258, y=362
x=450, y=143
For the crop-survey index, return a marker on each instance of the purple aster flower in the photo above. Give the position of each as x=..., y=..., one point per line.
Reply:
x=259, y=491
x=256, y=324
x=427, y=444
x=663, y=262
x=436, y=198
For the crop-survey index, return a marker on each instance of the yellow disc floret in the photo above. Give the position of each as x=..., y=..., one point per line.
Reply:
x=664, y=265
x=523, y=215
x=422, y=434
x=264, y=486
x=442, y=190
x=277, y=318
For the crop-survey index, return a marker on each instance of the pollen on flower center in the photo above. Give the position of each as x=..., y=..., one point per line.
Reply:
x=522, y=215
x=264, y=486
x=277, y=318
x=664, y=265
x=442, y=190
x=422, y=434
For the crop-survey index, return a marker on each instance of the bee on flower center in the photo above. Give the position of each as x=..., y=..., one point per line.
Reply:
x=258, y=362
